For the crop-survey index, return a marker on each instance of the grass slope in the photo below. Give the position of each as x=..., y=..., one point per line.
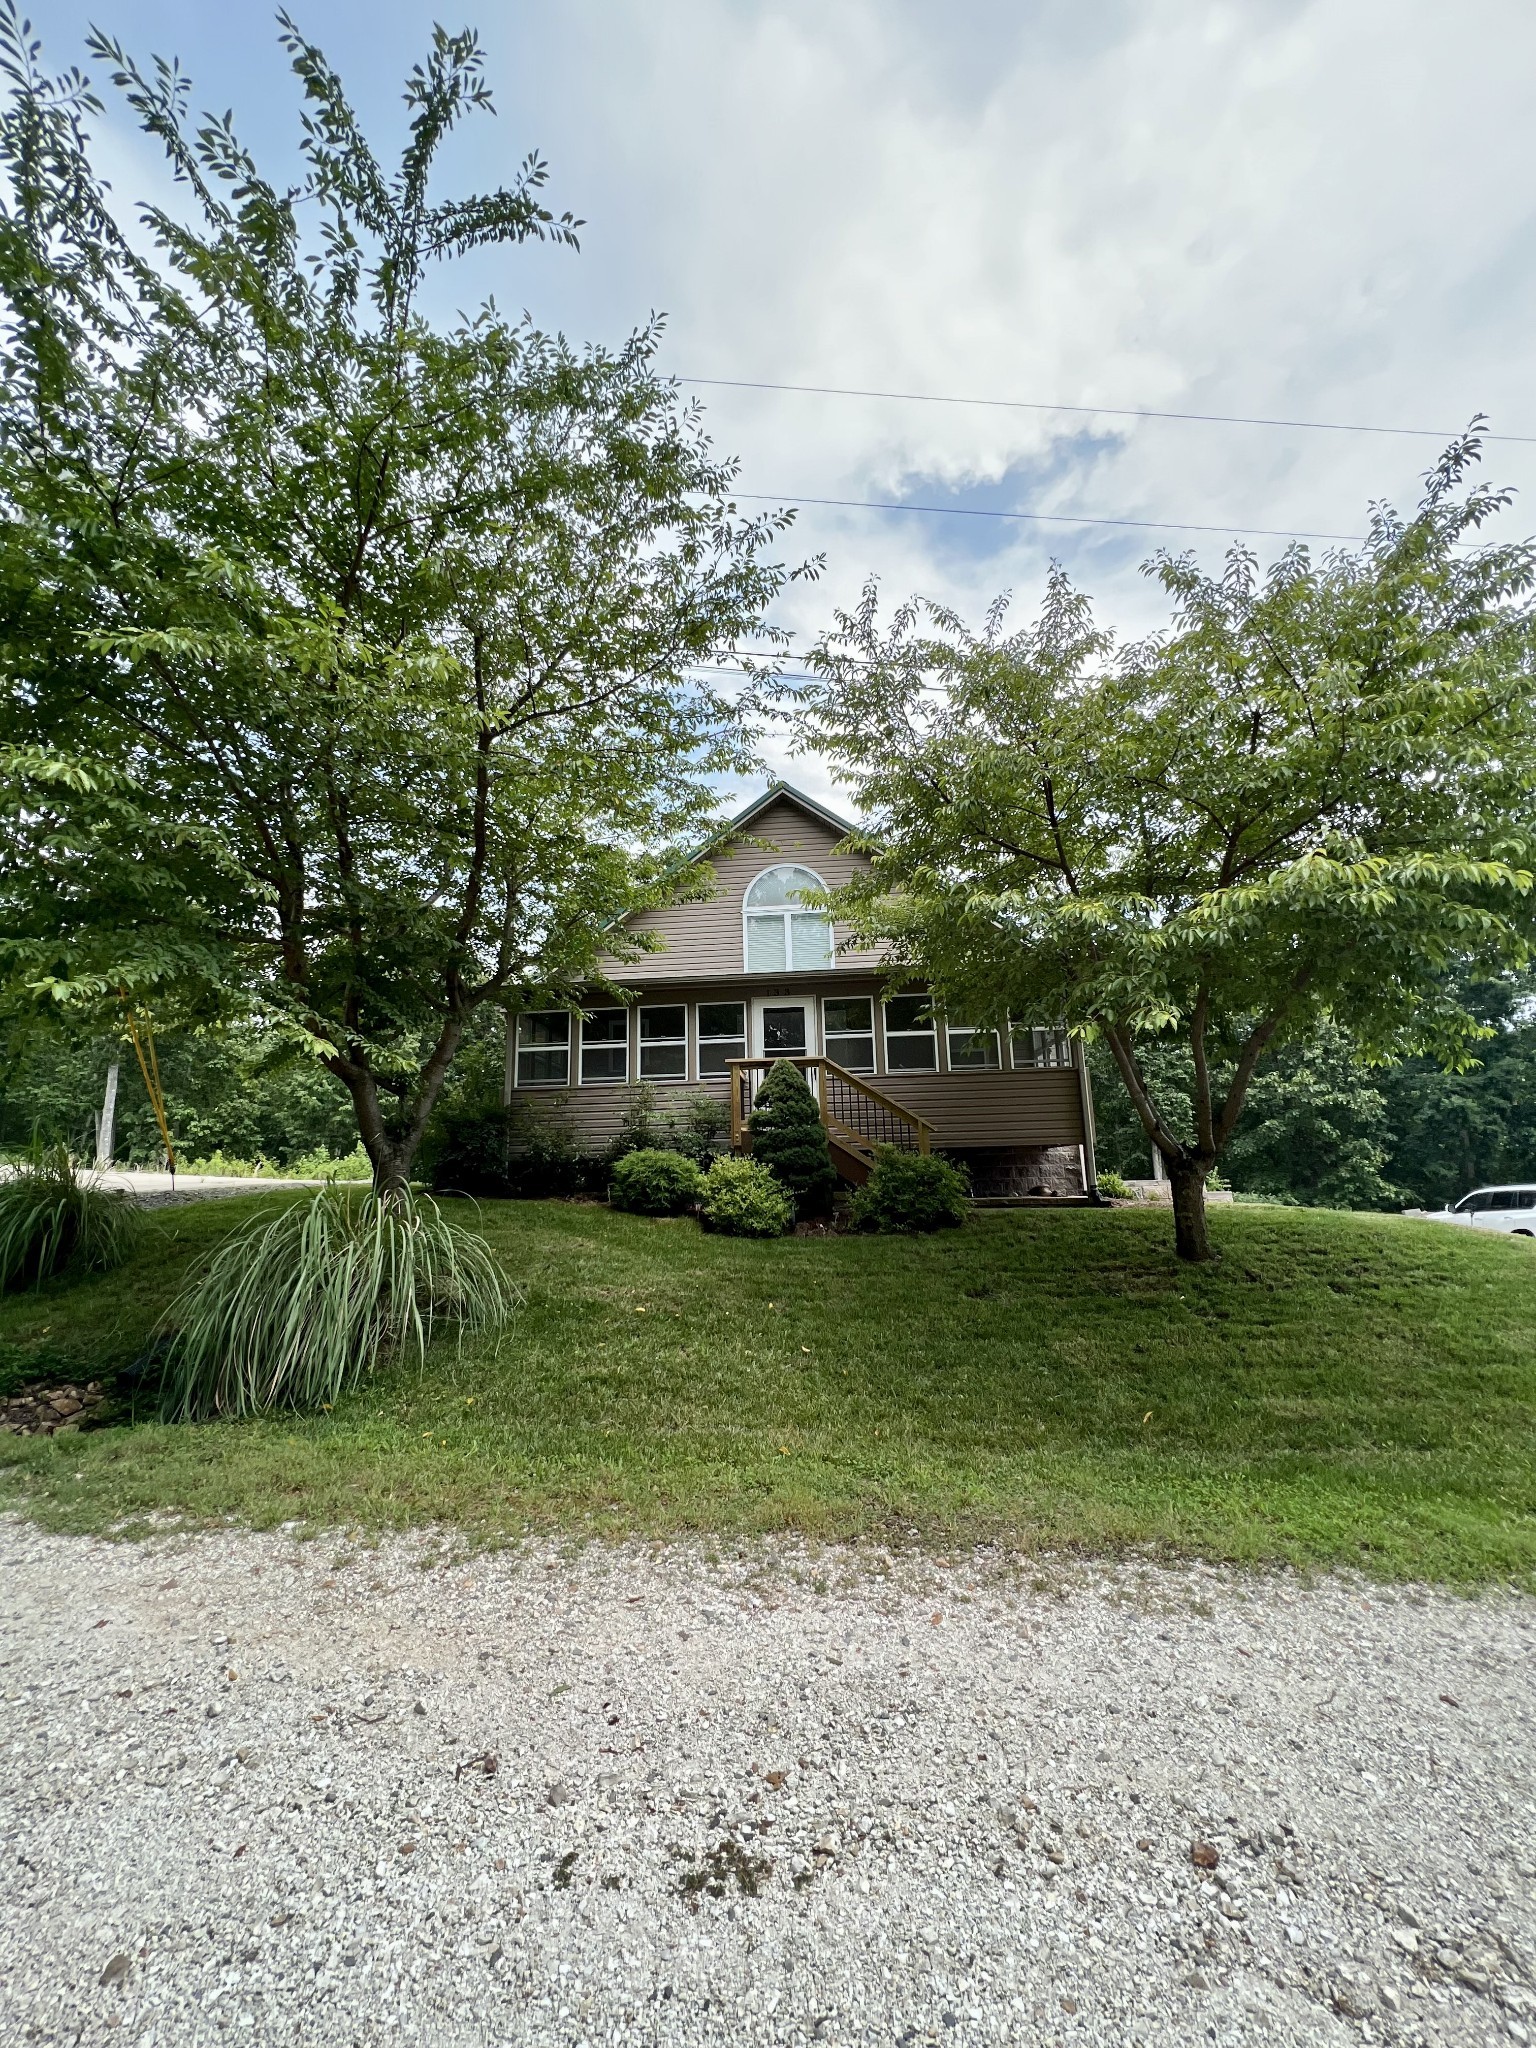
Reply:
x=1338, y=1389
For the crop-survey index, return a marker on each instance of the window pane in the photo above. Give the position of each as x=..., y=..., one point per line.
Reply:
x=722, y=1020
x=544, y=1027
x=908, y=1013
x=543, y=1064
x=784, y=1031
x=604, y=1062
x=906, y=1054
x=810, y=942
x=714, y=1053
x=782, y=886
x=856, y=1054
x=849, y=1013
x=605, y=1027
x=1041, y=1047
x=671, y=1022
x=664, y=1062
x=765, y=945
x=970, y=1048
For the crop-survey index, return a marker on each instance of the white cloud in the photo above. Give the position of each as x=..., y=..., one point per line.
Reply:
x=1308, y=210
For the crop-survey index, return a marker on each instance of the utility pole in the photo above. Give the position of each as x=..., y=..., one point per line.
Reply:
x=106, y=1121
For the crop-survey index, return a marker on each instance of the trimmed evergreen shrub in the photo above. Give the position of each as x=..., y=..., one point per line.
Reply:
x=654, y=1183
x=741, y=1198
x=789, y=1138
x=911, y=1191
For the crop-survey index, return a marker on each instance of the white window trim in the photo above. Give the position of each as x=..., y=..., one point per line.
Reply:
x=778, y=910
x=604, y=1044
x=932, y=1032
x=732, y=1038
x=517, y=1050
x=641, y=1042
x=873, y=1033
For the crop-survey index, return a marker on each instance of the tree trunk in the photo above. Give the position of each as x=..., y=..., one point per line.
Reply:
x=1191, y=1237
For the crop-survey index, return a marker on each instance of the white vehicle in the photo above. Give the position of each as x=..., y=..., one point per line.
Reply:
x=1510, y=1209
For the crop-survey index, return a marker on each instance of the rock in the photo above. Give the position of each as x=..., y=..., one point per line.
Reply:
x=1204, y=1855
x=1406, y=1940
x=557, y=1794
x=116, y=1970
x=1449, y=1958
x=1354, y=2001
x=1391, y=1999
x=1407, y=1915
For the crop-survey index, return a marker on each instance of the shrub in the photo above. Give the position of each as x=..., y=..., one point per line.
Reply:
x=1116, y=1187
x=741, y=1198
x=469, y=1150
x=790, y=1139
x=697, y=1125
x=911, y=1191
x=323, y=1165
x=293, y=1310
x=50, y=1219
x=654, y=1183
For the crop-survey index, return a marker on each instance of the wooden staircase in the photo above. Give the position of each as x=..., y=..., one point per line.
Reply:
x=858, y=1118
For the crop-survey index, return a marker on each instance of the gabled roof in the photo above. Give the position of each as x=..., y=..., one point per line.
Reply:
x=776, y=792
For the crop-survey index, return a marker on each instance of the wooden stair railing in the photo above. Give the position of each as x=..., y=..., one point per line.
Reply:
x=858, y=1118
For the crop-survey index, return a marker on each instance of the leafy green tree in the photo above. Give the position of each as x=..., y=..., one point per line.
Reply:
x=790, y=1139
x=1308, y=800
x=352, y=661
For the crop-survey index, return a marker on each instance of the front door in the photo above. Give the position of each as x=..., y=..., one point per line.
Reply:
x=783, y=1027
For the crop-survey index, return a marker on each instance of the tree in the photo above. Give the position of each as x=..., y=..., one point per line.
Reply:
x=1308, y=800
x=383, y=638
x=790, y=1139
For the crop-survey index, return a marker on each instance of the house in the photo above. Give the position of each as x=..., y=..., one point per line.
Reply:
x=752, y=974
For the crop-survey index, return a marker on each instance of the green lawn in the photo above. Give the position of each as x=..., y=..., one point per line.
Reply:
x=1338, y=1389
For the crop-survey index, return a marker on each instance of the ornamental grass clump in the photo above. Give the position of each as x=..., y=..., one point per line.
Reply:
x=789, y=1138
x=52, y=1218
x=293, y=1310
x=743, y=1199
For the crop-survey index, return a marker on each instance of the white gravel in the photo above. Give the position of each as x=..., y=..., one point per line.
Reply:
x=622, y=1796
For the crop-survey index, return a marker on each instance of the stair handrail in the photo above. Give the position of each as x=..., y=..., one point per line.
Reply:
x=878, y=1096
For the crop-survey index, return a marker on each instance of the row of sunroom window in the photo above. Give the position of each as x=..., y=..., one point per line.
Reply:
x=914, y=1042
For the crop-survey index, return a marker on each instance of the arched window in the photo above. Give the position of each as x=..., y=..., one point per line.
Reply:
x=781, y=931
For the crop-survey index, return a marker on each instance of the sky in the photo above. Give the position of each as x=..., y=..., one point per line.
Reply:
x=1306, y=210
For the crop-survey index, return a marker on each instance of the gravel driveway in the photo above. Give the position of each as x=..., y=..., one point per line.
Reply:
x=259, y=1789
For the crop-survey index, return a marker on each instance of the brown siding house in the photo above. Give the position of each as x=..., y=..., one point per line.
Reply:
x=750, y=973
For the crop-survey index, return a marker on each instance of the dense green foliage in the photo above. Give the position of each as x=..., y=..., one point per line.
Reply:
x=1322, y=1126
x=741, y=1198
x=790, y=1139
x=243, y=1093
x=913, y=1192
x=52, y=1219
x=654, y=1183
x=293, y=1309
x=1312, y=801
x=352, y=663
x=1335, y=1390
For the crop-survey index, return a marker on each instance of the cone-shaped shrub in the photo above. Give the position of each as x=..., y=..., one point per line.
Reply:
x=790, y=1139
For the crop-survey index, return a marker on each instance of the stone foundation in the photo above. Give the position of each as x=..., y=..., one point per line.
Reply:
x=1004, y=1170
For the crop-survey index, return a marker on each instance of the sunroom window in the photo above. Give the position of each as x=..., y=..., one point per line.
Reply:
x=1041, y=1046
x=722, y=1036
x=543, y=1048
x=605, y=1046
x=969, y=1047
x=783, y=933
x=848, y=1032
x=664, y=1043
x=911, y=1043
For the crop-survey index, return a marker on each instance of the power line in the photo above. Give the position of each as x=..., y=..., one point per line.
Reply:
x=1117, y=412
x=1049, y=518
